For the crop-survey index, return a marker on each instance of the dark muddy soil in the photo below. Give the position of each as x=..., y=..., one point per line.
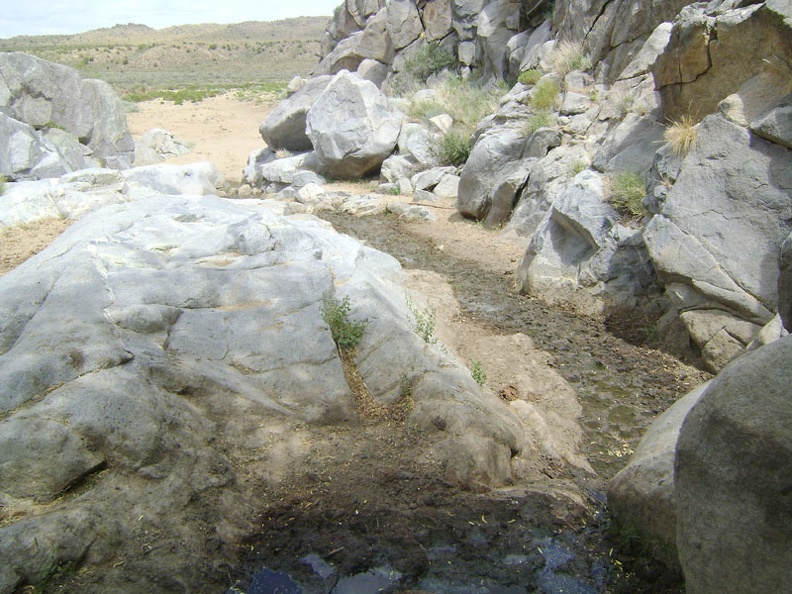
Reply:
x=389, y=525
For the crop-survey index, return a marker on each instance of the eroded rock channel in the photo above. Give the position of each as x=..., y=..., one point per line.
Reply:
x=387, y=526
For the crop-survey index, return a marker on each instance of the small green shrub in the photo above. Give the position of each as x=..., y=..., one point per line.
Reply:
x=626, y=193
x=541, y=119
x=478, y=373
x=545, y=95
x=428, y=60
x=577, y=167
x=2, y=184
x=346, y=332
x=424, y=322
x=454, y=148
x=529, y=77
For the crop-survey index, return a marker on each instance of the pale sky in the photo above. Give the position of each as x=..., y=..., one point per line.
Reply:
x=48, y=17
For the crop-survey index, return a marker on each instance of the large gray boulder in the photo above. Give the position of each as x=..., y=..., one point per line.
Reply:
x=733, y=474
x=352, y=127
x=716, y=239
x=46, y=95
x=163, y=352
x=494, y=154
x=785, y=283
x=284, y=127
x=641, y=496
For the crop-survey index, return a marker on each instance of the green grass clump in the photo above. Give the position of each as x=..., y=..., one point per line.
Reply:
x=545, y=95
x=478, y=373
x=2, y=184
x=346, y=332
x=428, y=60
x=541, y=119
x=626, y=193
x=529, y=77
x=191, y=94
x=454, y=148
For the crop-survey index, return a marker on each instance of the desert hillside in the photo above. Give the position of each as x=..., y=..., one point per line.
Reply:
x=136, y=57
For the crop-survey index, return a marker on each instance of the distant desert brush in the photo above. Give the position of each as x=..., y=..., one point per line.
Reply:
x=681, y=135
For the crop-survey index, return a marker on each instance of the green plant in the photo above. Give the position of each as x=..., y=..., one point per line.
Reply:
x=681, y=135
x=346, y=332
x=541, y=119
x=478, y=373
x=626, y=193
x=545, y=94
x=577, y=167
x=428, y=60
x=454, y=148
x=529, y=77
x=424, y=322
x=2, y=184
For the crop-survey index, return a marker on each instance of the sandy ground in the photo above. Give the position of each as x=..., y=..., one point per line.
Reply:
x=223, y=130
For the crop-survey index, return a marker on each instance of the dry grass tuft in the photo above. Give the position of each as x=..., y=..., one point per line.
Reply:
x=568, y=56
x=681, y=136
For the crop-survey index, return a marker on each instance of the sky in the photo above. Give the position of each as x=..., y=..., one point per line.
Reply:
x=50, y=17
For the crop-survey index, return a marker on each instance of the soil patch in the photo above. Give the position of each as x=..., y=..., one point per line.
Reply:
x=19, y=243
x=222, y=129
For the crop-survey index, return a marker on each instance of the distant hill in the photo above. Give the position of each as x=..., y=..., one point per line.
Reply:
x=134, y=57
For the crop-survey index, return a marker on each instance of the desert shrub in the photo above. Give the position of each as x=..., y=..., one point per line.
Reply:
x=428, y=60
x=2, y=184
x=577, y=167
x=346, y=332
x=424, y=322
x=529, y=77
x=545, y=95
x=541, y=119
x=454, y=148
x=478, y=373
x=626, y=191
x=568, y=56
x=681, y=135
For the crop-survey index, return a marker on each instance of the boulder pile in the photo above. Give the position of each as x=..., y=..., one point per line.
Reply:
x=54, y=122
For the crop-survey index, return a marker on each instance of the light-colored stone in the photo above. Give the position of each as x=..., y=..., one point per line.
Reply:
x=732, y=478
x=352, y=127
x=284, y=127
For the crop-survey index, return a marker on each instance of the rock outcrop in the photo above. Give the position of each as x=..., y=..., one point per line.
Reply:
x=732, y=478
x=72, y=123
x=352, y=127
x=171, y=344
x=284, y=128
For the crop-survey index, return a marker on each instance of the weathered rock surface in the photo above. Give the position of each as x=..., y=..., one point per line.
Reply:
x=721, y=48
x=75, y=194
x=641, y=496
x=352, y=127
x=155, y=337
x=718, y=254
x=785, y=284
x=732, y=475
x=284, y=128
x=47, y=95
